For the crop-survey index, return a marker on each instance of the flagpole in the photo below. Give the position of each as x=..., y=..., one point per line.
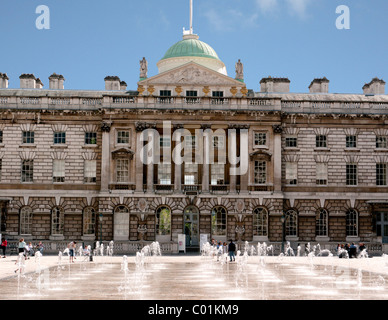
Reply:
x=191, y=16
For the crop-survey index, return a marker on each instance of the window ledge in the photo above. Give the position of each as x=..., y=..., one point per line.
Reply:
x=89, y=146
x=59, y=146
x=352, y=150
x=27, y=145
x=2, y=145
x=261, y=147
x=291, y=149
x=381, y=150
x=321, y=149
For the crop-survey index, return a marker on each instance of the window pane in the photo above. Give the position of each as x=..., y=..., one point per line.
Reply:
x=27, y=173
x=59, y=137
x=123, y=137
x=321, y=141
x=217, y=174
x=260, y=139
x=351, y=174
x=122, y=170
x=90, y=171
x=28, y=137
x=90, y=137
x=260, y=172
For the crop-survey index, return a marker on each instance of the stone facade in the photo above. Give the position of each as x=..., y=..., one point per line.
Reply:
x=73, y=165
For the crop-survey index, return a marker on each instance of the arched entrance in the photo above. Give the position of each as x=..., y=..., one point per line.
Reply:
x=191, y=226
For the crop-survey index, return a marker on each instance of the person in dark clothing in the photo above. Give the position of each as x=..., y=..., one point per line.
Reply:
x=231, y=250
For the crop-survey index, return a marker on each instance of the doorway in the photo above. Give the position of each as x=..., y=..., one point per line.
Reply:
x=191, y=226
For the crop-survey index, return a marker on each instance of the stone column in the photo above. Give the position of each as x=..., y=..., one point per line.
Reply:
x=244, y=152
x=277, y=159
x=232, y=156
x=206, y=159
x=178, y=167
x=150, y=159
x=140, y=127
x=105, y=155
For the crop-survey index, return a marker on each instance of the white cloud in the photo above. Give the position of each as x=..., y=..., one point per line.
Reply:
x=267, y=5
x=298, y=7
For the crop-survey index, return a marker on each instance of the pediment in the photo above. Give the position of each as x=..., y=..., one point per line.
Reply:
x=122, y=152
x=191, y=74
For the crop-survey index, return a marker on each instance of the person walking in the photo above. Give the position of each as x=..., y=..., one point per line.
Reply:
x=71, y=246
x=21, y=246
x=231, y=250
x=4, y=244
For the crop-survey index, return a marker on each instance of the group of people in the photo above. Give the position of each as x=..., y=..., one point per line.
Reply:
x=223, y=247
x=350, y=250
x=28, y=249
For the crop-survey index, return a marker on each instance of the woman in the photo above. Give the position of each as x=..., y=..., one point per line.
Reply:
x=21, y=246
x=4, y=244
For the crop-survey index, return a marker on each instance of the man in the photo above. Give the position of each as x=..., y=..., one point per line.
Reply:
x=71, y=246
x=231, y=250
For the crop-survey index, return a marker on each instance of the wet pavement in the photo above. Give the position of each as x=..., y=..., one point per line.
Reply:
x=192, y=277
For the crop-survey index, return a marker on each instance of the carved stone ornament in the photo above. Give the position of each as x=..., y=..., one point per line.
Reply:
x=140, y=89
x=178, y=90
x=233, y=91
x=240, y=205
x=206, y=90
x=142, y=205
x=244, y=91
x=277, y=128
x=105, y=126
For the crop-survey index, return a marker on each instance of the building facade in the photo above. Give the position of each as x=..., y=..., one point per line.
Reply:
x=192, y=151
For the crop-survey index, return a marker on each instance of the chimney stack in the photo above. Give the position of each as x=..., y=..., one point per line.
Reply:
x=27, y=81
x=319, y=85
x=275, y=85
x=376, y=86
x=38, y=84
x=3, y=81
x=56, y=82
x=123, y=85
x=112, y=83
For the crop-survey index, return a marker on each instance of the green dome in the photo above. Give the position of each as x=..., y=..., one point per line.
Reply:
x=191, y=48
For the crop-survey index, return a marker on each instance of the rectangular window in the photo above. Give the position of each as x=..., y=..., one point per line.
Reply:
x=59, y=137
x=260, y=139
x=122, y=170
x=321, y=141
x=351, y=141
x=122, y=137
x=165, y=142
x=27, y=171
x=291, y=173
x=260, y=172
x=90, y=171
x=90, y=137
x=218, y=94
x=191, y=93
x=381, y=174
x=58, y=170
x=381, y=142
x=165, y=96
x=1, y=136
x=351, y=175
x=191, y=174
x=28, y=137
x=291, y=142
x=164, y=173
x=321, y=174
x=165, y=93
x=217, y=174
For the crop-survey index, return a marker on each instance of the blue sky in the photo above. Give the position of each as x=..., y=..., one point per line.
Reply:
x=297, y=39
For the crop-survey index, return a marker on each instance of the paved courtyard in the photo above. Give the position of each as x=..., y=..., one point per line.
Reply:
x=192, y=277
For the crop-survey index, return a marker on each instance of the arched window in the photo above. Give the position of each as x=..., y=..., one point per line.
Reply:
x=351, y=223
x=219, y=221
x=291, y=223
x=260, y=222
x=321, y=222
x=121, y=223
x=89, y=221
x=163, y=221
x=57, y=220
x=25, y=220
